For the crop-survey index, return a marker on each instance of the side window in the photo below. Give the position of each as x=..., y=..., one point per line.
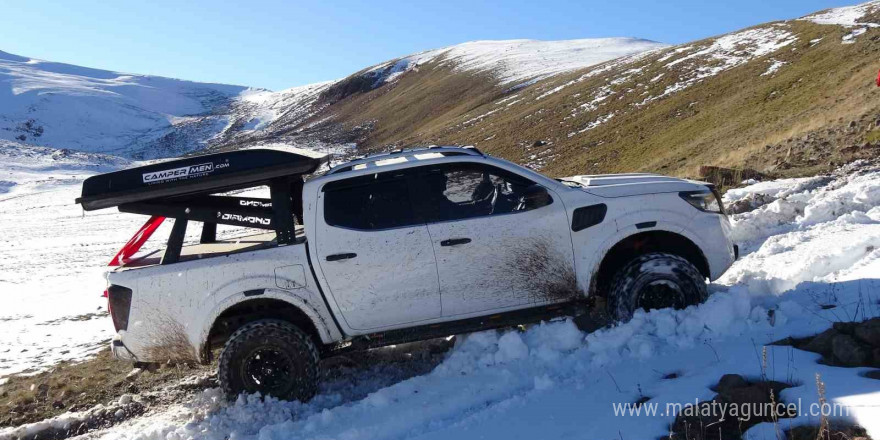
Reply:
x=376, y=201
x=465, y=185
x=460, y=191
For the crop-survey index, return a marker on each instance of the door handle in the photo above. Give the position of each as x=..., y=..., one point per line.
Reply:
x=455, y=241
x=337, y=257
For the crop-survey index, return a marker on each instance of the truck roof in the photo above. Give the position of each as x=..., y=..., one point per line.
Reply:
x=404, y=155
x=210, y=173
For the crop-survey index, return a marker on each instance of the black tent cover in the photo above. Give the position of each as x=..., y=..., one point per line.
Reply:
x=205, y=174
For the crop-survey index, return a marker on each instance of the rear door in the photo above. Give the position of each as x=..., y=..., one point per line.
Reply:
x=501, y=241
x=374, y=252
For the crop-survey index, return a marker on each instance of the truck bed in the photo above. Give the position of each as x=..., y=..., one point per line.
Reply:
x=197, y=251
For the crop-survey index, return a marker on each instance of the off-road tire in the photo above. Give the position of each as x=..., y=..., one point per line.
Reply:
x=686, y=285
x=296, y=349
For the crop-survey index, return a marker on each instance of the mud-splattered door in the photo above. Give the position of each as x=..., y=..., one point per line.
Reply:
x=375, y=254
x=501, y=241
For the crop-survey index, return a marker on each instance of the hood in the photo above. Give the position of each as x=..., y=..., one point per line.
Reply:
x=623, y=185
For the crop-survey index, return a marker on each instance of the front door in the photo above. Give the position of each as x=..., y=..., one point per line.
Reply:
x=500, y=240
x=376, y=256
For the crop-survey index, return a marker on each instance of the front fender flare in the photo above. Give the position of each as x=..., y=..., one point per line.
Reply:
x=627, y=230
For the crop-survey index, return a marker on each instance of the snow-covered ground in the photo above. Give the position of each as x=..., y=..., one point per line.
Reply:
x=53, y=257
x=811, y=257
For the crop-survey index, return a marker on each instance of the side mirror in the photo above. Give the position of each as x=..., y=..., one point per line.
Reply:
x=534, y=197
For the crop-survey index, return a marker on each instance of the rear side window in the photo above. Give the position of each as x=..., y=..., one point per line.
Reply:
x=376, y=201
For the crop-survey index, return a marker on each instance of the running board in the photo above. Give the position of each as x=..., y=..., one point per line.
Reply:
x=431, y=331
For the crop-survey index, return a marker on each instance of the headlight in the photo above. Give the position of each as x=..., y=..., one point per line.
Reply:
x=707, y=200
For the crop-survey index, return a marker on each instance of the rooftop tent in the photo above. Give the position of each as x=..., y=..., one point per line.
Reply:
x=185, y=189
x=211, y=173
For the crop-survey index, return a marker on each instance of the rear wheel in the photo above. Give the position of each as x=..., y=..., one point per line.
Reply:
x=655, y=280
x=271, y=357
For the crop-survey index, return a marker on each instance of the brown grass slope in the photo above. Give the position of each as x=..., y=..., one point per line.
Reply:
x=632, y=114
x=728, y=119
x=419, y=103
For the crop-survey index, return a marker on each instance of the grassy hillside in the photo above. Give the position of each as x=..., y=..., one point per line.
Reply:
x=788, y=98
x=728, y=119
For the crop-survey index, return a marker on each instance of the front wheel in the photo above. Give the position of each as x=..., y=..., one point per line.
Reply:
x=655, y=280
x=271, y=357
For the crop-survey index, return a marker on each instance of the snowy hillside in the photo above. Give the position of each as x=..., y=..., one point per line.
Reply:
x=307, y=113
x=811, y=257
x=804, y=87
x=616, y=105
x=560, y=106
x=513, y=61
x=66, y=106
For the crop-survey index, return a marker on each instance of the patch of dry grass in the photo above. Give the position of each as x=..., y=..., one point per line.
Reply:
x=76, y=386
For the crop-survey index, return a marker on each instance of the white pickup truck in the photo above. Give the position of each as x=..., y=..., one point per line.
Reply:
x=388, y=249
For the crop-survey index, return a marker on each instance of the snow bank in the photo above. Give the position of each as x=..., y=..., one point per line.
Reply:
x=815, y=230
x=553, y=381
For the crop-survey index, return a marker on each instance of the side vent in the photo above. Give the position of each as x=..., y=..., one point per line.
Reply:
x=587, y=216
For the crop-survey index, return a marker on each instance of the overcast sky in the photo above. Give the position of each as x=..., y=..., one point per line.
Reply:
x=281, y=44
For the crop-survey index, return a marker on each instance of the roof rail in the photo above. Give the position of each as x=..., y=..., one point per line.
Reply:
x=370, y=160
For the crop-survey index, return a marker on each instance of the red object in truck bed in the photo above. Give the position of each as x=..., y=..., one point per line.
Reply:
x=134, y=244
